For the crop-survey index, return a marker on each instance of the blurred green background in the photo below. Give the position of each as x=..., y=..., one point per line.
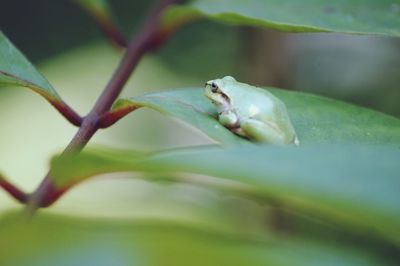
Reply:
x=70, y=51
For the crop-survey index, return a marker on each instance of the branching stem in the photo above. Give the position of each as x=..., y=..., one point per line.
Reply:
x=69, y=114
x=111, y=117
x=146, y=41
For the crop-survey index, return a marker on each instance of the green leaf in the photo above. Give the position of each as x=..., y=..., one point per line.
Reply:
x=356, y=17
x=188, y=105
x=102, y=14
x=357, y=185
x=59, y=240
x=16, y=70
x=316, y=119
x=98, y=8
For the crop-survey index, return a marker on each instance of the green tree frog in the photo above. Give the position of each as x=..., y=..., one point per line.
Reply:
x=251, y=112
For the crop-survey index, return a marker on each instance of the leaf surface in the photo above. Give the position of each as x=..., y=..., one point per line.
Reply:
x=99, y=9
x=316, y=119
x=17, y=71
x=355, y=184
x=50, y=240
x=356, y=17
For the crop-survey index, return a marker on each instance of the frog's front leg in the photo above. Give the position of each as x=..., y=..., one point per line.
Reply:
x=228, y=119
x=262, y=132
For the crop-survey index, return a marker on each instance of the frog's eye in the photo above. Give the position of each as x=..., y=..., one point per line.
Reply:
x=214, y=87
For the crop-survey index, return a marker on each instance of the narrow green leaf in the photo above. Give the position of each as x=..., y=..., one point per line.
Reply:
x=355, y=184
x=316, y=119
x=97, y=8
x=55, y=240
x=101, y=12
x=16, y=70
x=95, y=5
x=355, y=17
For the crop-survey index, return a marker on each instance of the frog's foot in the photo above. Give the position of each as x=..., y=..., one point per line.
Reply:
x=229, y=119
x=239, y=131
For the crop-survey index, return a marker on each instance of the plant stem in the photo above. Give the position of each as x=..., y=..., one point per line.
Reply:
x=102, y=14
x=111, y=31
x=111, y=117
x=147, y=40
x=15, y=192
x=73, y=117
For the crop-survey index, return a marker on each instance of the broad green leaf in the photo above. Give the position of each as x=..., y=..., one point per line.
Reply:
x=16, y=70
x=354, y=184
x=59, y=240
x=189, y=106
x=356, y=17
x=316, y=119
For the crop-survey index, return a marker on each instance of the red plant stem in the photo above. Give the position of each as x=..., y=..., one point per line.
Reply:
x=67, y=112
x=146, y=41
x=110, y=118
x=111, y=31
x=57, y=103
x=15, y=192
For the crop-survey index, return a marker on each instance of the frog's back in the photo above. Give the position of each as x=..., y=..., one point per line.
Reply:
x=280, y=116
x=265, y=107
x=255, y=102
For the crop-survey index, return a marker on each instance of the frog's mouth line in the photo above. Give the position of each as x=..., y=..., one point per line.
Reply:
x=225, y=98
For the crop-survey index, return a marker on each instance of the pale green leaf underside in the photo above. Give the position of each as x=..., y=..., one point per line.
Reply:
x=357, y=16
x=316, y=119
x=355, y=184
x=16, y=70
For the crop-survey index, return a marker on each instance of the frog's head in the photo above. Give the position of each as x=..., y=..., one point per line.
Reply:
x=217, y=90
